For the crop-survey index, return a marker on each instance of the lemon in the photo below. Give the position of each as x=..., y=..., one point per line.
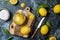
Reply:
x=13, y=2
x=52, y=38
x=56, y=9
x=44, y=30
x=19, y=19
x=43, y=11
x=30, y=13
x=25, y=30
x=22, y=5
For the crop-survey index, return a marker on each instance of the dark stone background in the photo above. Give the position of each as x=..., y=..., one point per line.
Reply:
x=52, y=18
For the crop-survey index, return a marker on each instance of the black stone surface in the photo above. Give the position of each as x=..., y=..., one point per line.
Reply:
x=52, y=18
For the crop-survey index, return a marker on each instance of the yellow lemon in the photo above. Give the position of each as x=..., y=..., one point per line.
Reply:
x=44, y=30
x=43, y=11
x=31, y=17
x=30, y=13
x=13, y=2
x=52, y=38
x=56, y=9
x=25, y=30
x=22, y=5
x=19, y=19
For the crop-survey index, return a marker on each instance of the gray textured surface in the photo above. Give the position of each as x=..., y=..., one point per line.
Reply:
x=52, y=18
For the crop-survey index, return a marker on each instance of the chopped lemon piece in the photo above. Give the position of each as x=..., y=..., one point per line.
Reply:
x=25, y=30
x=13, y=2
x=22, y=5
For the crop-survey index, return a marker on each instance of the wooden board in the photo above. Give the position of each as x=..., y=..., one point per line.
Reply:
x=15, y=29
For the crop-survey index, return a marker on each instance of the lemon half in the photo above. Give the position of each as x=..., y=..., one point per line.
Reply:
x=13, y=2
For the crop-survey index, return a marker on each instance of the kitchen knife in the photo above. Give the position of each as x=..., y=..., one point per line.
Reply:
x=39, y=25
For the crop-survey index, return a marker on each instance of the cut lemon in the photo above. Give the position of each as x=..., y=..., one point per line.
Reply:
x=13, y=2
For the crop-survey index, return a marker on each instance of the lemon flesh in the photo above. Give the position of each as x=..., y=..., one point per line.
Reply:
x=25, y=30
x=52, y=38
x=56, y=9
x=19, y=19
x=22, y=5
x=44, y=30
x=42, y=11
x=13, y=2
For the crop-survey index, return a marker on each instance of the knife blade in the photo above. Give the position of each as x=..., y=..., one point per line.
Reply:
x=39, y=25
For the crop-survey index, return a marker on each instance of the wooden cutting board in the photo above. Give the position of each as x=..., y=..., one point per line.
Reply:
x=15, y=29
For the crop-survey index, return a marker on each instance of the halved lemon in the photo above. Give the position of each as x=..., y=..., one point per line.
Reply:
x=13, y=2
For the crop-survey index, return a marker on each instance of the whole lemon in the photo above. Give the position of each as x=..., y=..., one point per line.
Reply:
x=52, y=38
x=56, y=8
x=44, y=30
x=19, y=19
x=43, y=11
x=25, y=30
x=13, y=2
x=22, y=4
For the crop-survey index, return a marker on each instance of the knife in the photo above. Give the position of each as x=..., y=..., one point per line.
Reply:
x=39, y=25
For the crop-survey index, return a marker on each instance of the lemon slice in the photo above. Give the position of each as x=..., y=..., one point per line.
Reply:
x=13, y=2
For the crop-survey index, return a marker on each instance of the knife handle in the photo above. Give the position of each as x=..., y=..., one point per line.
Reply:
x=34, y=33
